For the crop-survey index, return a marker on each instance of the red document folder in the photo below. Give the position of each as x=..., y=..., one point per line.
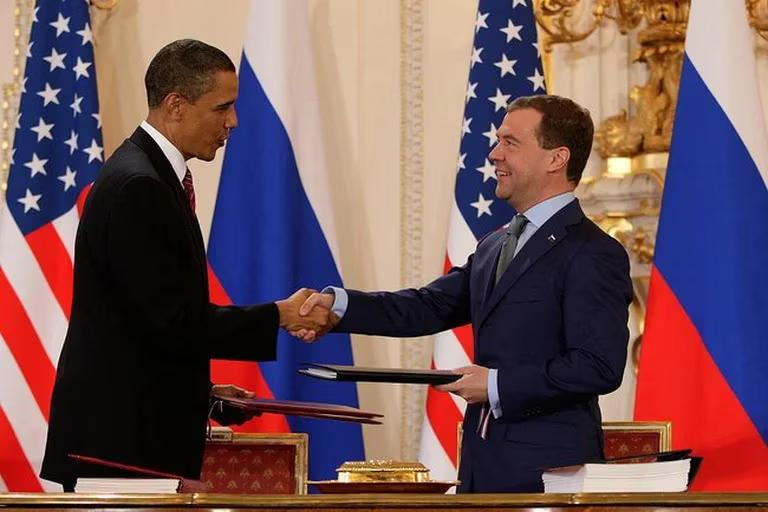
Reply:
x=185, y=484
x=306, y=409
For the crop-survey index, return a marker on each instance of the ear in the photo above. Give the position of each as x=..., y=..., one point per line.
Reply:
x=559, y=158
x=173, y=105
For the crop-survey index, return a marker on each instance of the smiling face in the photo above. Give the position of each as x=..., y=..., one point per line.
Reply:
x=526, y=173
x=203, y=125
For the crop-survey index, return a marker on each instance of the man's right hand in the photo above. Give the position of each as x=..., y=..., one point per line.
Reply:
x=316, y=302
x=309, y=325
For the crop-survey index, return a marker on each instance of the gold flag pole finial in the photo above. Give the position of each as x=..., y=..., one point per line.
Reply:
x=105, y=4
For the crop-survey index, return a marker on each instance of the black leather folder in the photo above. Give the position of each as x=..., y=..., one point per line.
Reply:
x=392, y=375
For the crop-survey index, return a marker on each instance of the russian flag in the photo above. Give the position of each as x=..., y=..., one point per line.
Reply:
x=273, y=230
x=704, y=356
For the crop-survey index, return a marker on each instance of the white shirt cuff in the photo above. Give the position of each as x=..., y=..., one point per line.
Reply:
x=493, y=392
x=340, y=300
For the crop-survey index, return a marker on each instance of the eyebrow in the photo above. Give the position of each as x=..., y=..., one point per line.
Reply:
x=225, y=104
x=511, y=137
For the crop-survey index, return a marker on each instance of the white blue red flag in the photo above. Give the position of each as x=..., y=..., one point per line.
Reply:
x=505, y=64
x=705, y=352
x=273, y=231
x=56, y=154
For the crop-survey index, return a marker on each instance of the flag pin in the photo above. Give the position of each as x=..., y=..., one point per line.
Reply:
x=551, y=238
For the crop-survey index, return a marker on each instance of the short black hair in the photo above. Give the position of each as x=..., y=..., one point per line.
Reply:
x=186, y=66
x=563, y=123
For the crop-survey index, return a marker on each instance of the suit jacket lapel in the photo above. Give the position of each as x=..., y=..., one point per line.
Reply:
x=165, y=170
x=546, y=237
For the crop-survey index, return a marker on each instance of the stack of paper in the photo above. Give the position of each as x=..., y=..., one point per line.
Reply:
x=670, y=476
x=126, y=485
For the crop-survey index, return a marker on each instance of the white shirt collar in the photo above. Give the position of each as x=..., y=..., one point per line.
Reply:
x=170, y=151
x=540, y=213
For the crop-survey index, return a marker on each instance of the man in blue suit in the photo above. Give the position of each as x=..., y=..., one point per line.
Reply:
x=547, y=298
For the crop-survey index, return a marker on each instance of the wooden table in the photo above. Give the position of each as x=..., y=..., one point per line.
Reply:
x=636, y=502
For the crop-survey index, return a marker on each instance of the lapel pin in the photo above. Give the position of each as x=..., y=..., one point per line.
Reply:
x=551, y=238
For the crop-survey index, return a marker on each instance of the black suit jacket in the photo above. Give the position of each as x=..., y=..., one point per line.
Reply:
x=132, y=383
x=555, y=327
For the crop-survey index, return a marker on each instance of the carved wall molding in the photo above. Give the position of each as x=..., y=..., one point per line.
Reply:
x=414, y=351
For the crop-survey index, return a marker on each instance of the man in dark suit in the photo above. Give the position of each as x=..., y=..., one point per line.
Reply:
x=132, y=384
x=547, y=298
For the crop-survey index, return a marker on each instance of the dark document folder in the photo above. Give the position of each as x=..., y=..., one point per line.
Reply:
x=394, y=375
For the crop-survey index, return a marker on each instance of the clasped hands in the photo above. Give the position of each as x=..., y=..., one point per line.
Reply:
x=307, y=314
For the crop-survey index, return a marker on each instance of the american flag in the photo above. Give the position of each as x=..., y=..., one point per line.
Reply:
x=56, y=155
x=505, y=64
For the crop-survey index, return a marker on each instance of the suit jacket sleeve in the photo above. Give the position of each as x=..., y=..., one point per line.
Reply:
x=442, y=304
x=157, y=279
x=597, y=292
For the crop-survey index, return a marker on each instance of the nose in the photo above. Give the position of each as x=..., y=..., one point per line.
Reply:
x=493, y=156
x=231, y=121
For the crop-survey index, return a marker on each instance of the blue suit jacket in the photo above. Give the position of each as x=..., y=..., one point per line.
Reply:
x=555, y=327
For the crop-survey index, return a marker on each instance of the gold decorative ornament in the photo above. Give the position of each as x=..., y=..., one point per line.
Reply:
x=382, y=471
x=105, y=4
x=757, y=11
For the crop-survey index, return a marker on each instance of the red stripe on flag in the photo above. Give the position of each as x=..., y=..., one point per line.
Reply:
x=679, y=382
x=447, y=265
x=15, y=469
x=22, y=340
x=55, y=263
x=444, y=416
x=216, y=291
x=466, y=339
x=82, y=197
x=243, y=374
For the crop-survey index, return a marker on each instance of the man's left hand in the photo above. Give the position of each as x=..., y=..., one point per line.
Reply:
x=231, y=391
x=472, y=386
x=229, y=415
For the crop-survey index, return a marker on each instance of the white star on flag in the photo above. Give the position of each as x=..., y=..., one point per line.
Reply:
x=480, y=21
x=43, y=130
x=506, y=65
x=55, y=59
x=488, y=170
x=72, y=142
x=512, y=31
x=86, y=34
x=491, y=134
x=93, y=152
x=97, y=117
x=36, y=165
x=537, y=79
x=61, y=25
x=30, y=201
x=465, y=126
x=475, y=59
x=81, y=69
x=460, y=165
x=515, y=3
x=482, y=205
x=29, y=49
x=75, y=105
x=68, y=178
x=471, y=92
x=49, y=95
x=500, y=100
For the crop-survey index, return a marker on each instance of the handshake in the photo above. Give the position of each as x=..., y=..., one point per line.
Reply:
x=307, y=314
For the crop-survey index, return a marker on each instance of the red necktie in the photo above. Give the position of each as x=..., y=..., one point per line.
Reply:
x=189, y=188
